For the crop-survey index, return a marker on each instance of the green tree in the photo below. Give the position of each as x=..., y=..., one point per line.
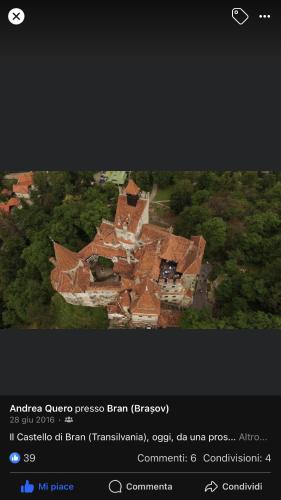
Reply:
x=143, y=178
x=10, y=260
x=37, y=255
x=163, y=178
x=181, y=196
x=200, y=196
x=65, y=226
x=214, y=232
x=91, y=216
x=195, y=319
x=210, y=180
x=190, y=220
x=25, y=298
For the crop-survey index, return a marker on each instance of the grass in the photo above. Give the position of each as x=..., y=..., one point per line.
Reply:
x=162, y=211
x=69, y=316
x=162, y=215
x=164, y=193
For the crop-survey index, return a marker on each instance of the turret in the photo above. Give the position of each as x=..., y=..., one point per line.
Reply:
x=133, y=193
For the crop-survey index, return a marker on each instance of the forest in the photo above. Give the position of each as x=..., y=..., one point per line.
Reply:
x=238, y=213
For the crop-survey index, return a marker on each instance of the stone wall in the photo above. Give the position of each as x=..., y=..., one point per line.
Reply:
x=93, y=298
x=144, y=320
x=189, y=281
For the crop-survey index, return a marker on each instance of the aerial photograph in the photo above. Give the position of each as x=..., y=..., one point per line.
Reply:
x=140, y=249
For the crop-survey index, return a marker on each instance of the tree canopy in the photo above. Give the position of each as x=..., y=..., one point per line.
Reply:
x=66, y=207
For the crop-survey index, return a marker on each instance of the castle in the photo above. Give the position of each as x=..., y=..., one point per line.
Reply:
x=153, y=271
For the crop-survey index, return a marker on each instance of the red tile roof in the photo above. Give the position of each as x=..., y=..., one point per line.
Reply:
x=147, y=302
x=7, y=207
x=107, y=233
x=200, y=244
x=18, y=175
x=26, y=178
x=194, y=261
x=151, y=233
x=105, y=244
x=132, y=188
x=65, y=258
x=25, y=181
x=127, y=284
x=115, y=309
x=172, y=247
x=149, y=262
x=128, y=214
x=70, y=274
x=194, y=267
x=186, y=253
x=175, y=248
x=97, y=247
x=67, y=282
x=123, y=268
x=141, y=285
x=105, y=285
x=13, y=202
x=138, y=288
x=124, y=299
x=20, y=189
x=169, y=318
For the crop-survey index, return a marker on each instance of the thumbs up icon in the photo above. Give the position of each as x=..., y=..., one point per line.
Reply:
x=27, y=487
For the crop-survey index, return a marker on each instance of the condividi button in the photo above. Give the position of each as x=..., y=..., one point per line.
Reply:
x=242, y=487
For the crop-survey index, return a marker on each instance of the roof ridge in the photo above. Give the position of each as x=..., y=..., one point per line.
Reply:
x=65, y=259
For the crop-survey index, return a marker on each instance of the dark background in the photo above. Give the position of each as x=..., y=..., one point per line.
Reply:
x=140, y=86
x=137, y=88
x=140, y=362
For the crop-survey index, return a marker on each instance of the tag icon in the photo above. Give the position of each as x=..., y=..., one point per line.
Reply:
x=239, y=15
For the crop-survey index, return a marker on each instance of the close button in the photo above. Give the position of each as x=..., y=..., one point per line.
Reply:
x=16, y=16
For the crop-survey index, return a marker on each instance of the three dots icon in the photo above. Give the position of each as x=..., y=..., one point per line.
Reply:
x=264, y=16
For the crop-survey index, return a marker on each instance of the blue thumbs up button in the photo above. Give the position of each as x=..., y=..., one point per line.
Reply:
x=27, y=487
x=14, y=458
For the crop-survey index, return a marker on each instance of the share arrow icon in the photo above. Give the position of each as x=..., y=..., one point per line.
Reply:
x=211, y=487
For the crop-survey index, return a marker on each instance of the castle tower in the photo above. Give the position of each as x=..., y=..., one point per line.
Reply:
x=132, y=192
x=131, y=214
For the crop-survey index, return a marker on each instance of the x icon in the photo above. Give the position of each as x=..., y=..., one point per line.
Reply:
x=16, y=16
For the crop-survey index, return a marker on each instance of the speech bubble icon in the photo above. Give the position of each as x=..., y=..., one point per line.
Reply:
x=115, y=486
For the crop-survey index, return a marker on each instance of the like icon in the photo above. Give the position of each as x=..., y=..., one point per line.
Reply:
x=27, y=487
